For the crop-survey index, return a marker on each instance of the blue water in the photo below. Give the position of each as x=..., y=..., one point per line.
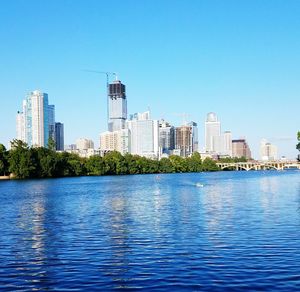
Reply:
x=206, y=231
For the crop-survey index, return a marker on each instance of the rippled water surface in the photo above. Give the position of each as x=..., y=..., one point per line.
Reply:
x=204, y=231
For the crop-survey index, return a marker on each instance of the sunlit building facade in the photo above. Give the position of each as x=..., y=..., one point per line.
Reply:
x=240, y=149
x=117, y=106
x=144, y=135
x=212, y=132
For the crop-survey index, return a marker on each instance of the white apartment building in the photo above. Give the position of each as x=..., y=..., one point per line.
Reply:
x=115, y=141
x=84, y=144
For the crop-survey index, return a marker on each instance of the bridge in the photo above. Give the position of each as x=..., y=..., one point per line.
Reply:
x=260, y=165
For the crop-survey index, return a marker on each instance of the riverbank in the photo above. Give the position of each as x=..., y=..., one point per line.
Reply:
x=5, y=177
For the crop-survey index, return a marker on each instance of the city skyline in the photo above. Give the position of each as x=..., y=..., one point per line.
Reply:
x=184, y=61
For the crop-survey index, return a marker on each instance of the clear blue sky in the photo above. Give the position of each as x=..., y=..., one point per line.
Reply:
x=240, y=59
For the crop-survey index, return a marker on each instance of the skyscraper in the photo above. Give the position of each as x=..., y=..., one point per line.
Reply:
x=186, y=139
x=117, y=106
x=144, y=135
x=212, y=130
x=36, y=123
x=36, y=116
x=59, y=136
x=166, y=137
x=51, y=120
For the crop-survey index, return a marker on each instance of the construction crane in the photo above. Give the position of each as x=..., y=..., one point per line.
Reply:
x=104, y=72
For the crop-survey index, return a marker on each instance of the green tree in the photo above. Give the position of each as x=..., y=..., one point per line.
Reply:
x=95, y=165
x=51, y=144
x=131, y=163
x=194, y=163
x=3, y=160
x=115, y=163
x=179, y=164
x=75, y=165
x=233, y=159
x=20, y=160
x=165, y=166
x=45, y=161
x=209, y=165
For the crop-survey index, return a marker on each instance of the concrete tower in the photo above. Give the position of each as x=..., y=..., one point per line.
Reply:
x=117, y=106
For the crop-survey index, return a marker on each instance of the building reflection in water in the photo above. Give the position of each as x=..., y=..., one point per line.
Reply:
x=30, y=249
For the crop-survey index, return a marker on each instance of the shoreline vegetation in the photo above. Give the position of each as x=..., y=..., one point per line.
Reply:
x=23, y=162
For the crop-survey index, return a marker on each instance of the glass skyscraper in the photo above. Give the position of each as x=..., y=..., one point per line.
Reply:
x=59, y=136
x=33, y=123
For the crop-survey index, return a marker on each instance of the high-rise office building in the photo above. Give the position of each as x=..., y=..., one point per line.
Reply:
x=59, y=136
x=186, y=139
x=240, y=149
x=268, y=151
x=51, y=120
x=212, y=130
x=144, y=135
x=117, y=106
x=166, y=137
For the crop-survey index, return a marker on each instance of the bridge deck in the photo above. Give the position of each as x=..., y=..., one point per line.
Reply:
x=260, y=165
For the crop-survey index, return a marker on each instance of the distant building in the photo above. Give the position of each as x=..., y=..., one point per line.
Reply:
x=166, y=137
x=228, y=143
x=59, y=136
x=222, y=144
x=144, y=135
x=36, y=122
x=20, y=121
x=186, y=139
x=70, y=147
x=268, y=151
x=51, y=120
x=33, y=122
x=240, y=149
x=212, y=132
x=117, y=106
x=115, y=141
x=84, y=144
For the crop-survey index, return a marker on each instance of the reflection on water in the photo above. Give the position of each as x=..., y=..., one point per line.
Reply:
x=239, y=230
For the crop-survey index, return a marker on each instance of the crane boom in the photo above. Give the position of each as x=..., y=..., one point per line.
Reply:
x=104, y=72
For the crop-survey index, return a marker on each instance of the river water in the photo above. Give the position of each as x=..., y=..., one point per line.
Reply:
x=203, y=231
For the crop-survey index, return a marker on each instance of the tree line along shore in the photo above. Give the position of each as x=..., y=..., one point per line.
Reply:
x=22, y=162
